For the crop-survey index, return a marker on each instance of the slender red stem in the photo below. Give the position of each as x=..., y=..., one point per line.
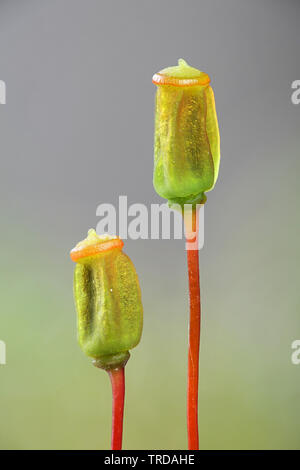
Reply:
x=194, y=331
x=117, y=378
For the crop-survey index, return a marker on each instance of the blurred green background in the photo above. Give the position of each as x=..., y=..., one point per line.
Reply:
x=77, y=130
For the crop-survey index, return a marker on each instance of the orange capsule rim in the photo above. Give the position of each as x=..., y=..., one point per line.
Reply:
x=98, y=248
x=160, y=79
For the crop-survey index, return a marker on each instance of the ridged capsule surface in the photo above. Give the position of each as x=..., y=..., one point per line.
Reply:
x=186, y=142
x=108, y=303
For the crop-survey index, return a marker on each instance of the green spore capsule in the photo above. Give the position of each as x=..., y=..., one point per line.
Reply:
x=108, y=300
x=187, y=141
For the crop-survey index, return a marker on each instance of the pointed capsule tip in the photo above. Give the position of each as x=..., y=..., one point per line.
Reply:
x=95, y=244
x=92, y=236
x=91, y=233
x=182, y=63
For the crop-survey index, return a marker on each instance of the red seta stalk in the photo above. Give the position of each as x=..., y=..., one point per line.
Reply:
x=117, y=378
x=192, y=229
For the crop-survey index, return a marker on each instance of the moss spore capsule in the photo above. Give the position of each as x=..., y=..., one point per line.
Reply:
x=187, y=142
x=108, y=300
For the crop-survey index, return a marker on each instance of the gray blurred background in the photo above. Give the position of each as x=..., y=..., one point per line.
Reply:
x=77, y=131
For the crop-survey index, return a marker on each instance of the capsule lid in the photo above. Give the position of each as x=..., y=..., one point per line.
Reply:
x=181, y=75
x=95, y=244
